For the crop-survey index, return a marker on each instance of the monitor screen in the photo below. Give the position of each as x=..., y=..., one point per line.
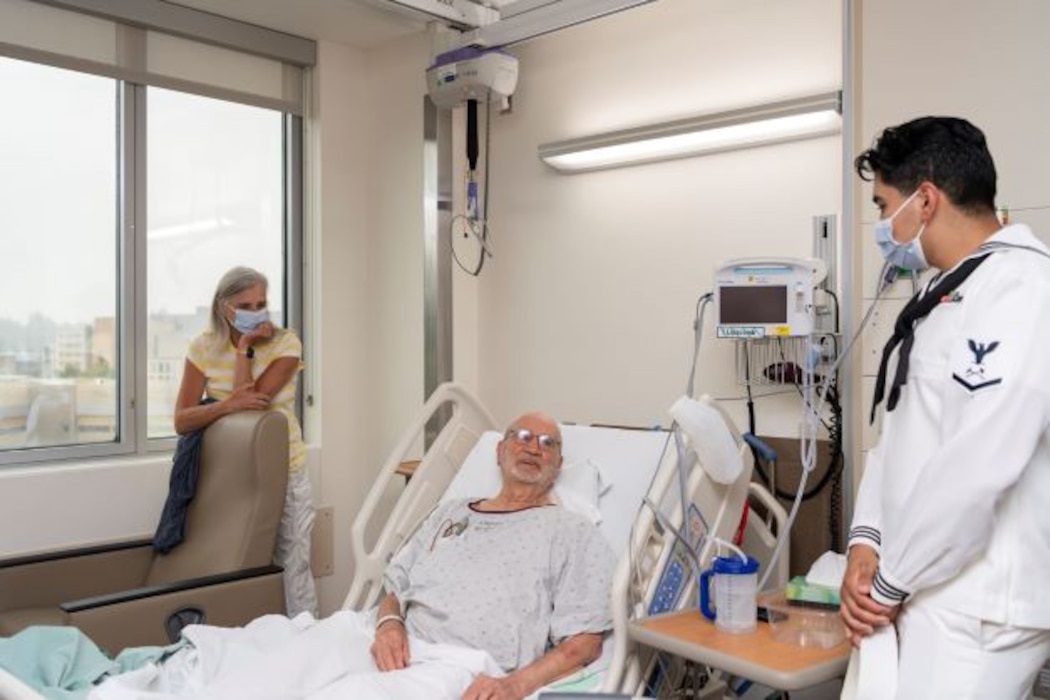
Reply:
x=753, y=305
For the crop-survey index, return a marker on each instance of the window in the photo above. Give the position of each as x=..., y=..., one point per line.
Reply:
x=137, y=165
x=60, y=234
x=124, y=205
x=214, y=170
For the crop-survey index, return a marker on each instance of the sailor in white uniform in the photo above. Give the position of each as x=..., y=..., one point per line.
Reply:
x=951, y=532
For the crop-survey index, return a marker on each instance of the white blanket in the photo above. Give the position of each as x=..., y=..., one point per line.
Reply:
x=274, y=658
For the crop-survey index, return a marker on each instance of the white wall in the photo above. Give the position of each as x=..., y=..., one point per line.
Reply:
x=982, y=61
x=586, y=310
x=394, y=174
x=338, y=147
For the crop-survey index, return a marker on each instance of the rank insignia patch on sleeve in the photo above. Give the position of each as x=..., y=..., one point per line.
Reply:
x=975, y=377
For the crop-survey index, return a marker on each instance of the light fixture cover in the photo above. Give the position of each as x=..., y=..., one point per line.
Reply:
x=791, y=120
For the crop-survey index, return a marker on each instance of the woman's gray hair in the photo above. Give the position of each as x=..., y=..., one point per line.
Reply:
x=232, y=283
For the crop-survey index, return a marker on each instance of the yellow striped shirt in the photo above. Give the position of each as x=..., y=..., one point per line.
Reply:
x=216, y=363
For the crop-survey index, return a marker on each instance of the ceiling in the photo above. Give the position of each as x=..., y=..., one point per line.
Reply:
x=362, y=24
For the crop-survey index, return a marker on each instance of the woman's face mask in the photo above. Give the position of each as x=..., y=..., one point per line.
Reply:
x=247, y=321
x=904, y=255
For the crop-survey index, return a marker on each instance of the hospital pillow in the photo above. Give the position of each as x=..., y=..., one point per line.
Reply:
x=578, y=487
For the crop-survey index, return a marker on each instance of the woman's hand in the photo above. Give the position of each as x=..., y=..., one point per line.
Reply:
x=263, y=332
x=246, y=398
x=390, y=649
x=859, y=610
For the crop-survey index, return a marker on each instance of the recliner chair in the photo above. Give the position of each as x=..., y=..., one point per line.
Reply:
x=126, y=594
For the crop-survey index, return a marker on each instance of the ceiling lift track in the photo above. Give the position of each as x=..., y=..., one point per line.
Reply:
x=459, y=14
x=514, y=22
x=544, y=19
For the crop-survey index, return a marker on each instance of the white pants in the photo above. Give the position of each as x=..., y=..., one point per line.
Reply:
x=945, y=654
x=293, y=546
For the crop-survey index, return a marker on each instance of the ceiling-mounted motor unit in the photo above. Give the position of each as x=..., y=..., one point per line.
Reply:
x=471, y=74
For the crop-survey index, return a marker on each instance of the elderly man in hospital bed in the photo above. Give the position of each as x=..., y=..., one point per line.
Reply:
x=490, y=599
x=512, y=575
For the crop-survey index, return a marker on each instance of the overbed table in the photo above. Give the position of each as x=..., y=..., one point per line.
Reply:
x=757, y=657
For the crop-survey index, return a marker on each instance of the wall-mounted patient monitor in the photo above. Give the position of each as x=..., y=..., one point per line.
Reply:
x=763, y=297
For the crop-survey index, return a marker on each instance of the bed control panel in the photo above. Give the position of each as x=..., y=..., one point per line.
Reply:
x=677, y=572
x=669, y=590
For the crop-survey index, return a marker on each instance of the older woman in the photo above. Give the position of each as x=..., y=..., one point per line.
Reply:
x=245, y=363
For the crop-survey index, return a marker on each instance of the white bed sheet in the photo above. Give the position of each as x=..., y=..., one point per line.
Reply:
x=274, y=658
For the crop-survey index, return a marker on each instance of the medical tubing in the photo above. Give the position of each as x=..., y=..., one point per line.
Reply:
x=698, y=333
x=784, y=536
x=834, y=468
x=747, y=385
x=807, y=464
x=835, y=501
x=806, y=448
x=736, y=550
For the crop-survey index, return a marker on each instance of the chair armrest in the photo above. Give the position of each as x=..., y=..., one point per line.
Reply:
x=90, y=550
x=46, y=580
x=101, y=601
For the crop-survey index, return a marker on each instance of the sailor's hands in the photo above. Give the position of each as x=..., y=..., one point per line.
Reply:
x=489, y=688
x=246, y=398
x=390, y=649
x=859, y=610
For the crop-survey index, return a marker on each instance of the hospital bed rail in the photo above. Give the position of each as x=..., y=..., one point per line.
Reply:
x=467, y=420
x=639, y=570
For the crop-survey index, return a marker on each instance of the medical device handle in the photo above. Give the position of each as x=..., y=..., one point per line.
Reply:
x=767, y=453
x=705, y=594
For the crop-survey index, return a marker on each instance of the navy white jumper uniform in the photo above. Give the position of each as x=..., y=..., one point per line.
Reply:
x=956, y=495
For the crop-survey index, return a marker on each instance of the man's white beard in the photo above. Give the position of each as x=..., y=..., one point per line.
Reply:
x=543, y=476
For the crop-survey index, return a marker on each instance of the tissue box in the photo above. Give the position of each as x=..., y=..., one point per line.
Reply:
x=800, y=591
x=802, y=625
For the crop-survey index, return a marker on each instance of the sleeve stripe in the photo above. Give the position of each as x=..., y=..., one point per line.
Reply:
x=867, y=533
x=886, y=590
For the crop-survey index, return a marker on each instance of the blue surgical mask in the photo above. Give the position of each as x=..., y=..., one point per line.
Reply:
x=904, y=255
x=247, y=321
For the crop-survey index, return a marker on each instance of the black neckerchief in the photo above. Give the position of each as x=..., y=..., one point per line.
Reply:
x=904, y=330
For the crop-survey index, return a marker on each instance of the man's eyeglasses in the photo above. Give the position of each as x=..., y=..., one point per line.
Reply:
x=523, y=436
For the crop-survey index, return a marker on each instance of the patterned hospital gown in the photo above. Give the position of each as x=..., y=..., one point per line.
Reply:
x=512, y=584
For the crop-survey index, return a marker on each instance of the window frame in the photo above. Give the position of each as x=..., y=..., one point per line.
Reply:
x=131, y=282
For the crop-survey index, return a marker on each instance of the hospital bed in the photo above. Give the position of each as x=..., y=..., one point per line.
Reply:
x=460, y=461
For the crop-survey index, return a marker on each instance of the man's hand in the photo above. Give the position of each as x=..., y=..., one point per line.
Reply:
x=859, y=611
x=246, y=398
x=390, y=649
x=489, y=688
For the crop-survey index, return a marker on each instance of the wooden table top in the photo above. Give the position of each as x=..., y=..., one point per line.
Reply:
x=756, y=656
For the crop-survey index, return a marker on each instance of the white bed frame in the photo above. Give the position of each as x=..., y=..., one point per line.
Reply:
x=639, y=567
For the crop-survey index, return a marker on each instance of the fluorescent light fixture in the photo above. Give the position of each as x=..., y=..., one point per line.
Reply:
x=792, y=120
